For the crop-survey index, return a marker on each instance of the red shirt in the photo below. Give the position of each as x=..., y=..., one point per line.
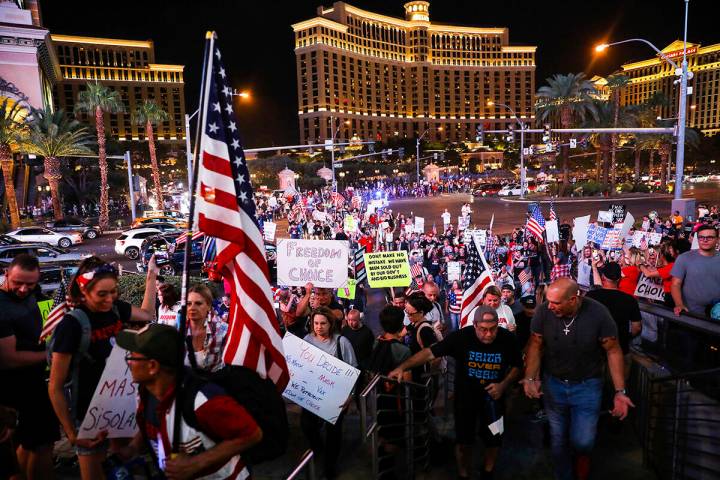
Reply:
x=666, y=277
x=629, y=280
x=366, y=242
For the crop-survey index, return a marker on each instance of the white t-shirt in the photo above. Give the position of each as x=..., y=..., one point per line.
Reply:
x=446, y=218
x=168, y=315
x=505, y=316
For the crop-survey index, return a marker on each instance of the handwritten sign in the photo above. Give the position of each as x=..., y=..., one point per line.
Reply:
x=645, y=239
x=552, y=232
x=618, y=212
x=651, y=288
x=114, y=403
x=453, y=271
x=269, y=229
x=322, y=262
x=580, y=230
x=349, y=291
x=419, y=225
x=479, y=235
x=350, y=225
x=45, y=307
x=463, y=222
x=388, y=269
x=319, y=382
x=605, y=216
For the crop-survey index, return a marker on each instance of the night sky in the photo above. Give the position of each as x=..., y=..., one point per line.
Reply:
x=257, y=42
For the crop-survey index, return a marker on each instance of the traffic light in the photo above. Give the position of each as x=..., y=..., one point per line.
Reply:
x=583, y=143
x=401, y=152
x=480, y=136
x=510, y=134
x=546, y=133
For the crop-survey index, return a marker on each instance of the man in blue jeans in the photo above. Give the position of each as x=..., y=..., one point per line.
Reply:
x=573, y=336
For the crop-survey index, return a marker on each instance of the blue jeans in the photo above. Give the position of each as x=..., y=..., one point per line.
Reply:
x=454, y=321
x=572, y=409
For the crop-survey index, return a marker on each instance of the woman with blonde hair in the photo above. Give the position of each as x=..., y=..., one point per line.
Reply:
x=206, y=330
x=630, y=268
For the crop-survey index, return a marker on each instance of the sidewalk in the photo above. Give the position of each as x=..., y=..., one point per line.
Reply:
x=546, y=199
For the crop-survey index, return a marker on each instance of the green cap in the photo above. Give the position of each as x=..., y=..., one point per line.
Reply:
x=156, y=341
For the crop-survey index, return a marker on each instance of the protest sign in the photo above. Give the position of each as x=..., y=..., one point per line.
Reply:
x=349, y=291
x=408, y=229
x=612, y=240
x=645, y=239
x=479, y=235
x=651, y=288
x=114, y=403
x=605, y=216
x=350, y=224
x=45, y=306
x=319, y=382
x=419, y=225
x=388, y=269
x=627, y=224
x=453, y=271
x=552, y=232
x=580, y=229
x=359, y=260
x=463, y=222
x=618, y=212
x=269, y=229
x=322, y=262
x=596, y=234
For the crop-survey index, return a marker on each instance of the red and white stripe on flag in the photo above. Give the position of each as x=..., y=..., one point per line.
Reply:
x=226, y=211
x=534, y=227
x=53, y=319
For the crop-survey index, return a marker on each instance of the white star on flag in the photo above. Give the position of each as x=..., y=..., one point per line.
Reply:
x=216, y=106
x=213, y=128
x=241, y=179
x=228, y=108
x=232, y=126
x=236, y=144
x=222, y=74
x=217, y=54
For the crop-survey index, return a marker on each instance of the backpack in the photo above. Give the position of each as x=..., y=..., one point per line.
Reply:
x=382, y=361
x=258, y=395
x=71, y=385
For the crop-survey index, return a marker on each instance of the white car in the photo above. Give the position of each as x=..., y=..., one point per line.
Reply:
x=508, y=190
x=40, y=234
x=130, y=241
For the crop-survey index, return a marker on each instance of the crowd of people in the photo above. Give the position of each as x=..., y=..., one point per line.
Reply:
x=558, y=319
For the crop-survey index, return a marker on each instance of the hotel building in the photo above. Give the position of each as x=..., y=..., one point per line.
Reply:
x=377, y=76
x=128, y=67
x=657, y=75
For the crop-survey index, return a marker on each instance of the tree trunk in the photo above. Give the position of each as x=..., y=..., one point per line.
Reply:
x=53, y=176
x=102, y=162
x=605, y=165
x=6, y=162
x=155, y=167
x=614, y=141
x=651, y=161
x=598, y=165
x=664, y=156
x=638, y=153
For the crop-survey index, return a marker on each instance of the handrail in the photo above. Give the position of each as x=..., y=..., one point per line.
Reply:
x=681, y=376
x=696, y=322
x=366, y=391
x=306, y=457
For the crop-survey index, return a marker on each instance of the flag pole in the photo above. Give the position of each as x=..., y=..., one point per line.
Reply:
x=182, y=327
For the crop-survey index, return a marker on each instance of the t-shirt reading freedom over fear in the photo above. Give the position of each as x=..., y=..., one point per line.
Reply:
x=479, y=364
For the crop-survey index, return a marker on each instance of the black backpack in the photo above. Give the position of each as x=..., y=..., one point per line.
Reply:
x=258, y=395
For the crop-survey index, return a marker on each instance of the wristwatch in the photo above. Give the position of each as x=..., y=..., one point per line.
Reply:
x=621, y=390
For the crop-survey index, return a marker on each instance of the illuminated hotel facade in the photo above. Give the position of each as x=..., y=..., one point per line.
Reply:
x=128, y=67
x=379, y=76
x=656, y=74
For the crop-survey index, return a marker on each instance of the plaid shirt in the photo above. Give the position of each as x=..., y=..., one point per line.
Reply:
x=559, y=271
x=210, y=358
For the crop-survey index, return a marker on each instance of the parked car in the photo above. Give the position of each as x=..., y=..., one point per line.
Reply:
x=165, y=227
x=70, y=224
x=149, y=221
x=41, y=234
x=487, y=189
x=130, y=241
x=170, y=260
x=46, y=254
x=51, y=276
x=510, y=189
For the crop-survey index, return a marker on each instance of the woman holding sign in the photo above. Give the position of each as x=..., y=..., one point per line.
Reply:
x=79, y=355
x=325, y=336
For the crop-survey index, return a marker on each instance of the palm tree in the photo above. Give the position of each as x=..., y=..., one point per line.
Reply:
x=12, y=131
x=569, y=97
x=645, y=115
x=99, y=99
x=615, y=83
x=53, y=135
x=665, y=147
x=148, y=114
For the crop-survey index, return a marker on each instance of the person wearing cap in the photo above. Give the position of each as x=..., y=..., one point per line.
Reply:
x=226, y=428
x=488, y=361
x=523, y=319
x=624, y=308
x=507, y=297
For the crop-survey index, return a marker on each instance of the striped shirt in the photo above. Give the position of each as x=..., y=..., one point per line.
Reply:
x=455, y=301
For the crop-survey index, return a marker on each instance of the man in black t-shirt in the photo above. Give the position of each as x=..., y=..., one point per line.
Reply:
x=361, y=337
x=22, y=368
x=574, y=337
x=488, y=361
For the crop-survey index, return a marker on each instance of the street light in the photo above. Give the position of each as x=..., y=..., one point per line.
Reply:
x=682, y=72
x=417, y=152
x=521, y=124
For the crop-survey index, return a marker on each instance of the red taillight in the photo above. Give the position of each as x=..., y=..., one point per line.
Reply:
x=121, y=242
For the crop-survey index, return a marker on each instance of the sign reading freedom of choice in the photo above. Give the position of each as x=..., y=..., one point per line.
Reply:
x=322, y=262
x=319, y=382
x=113, y=405
x=388, y=269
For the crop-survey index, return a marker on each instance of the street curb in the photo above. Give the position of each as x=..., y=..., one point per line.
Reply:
x=587, y=199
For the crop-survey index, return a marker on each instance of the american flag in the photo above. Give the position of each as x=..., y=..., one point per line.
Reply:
x=553, y=215
x=226, y=210
x=60, y=308
x=356, y=201
x=416, y=270
x=536, y=222
x=181, y=239
x=298, y=209
x=477, y=278
x=337, y=199
x=524, y=276
x=208, y=249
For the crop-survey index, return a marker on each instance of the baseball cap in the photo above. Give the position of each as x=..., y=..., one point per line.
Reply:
x=611, y=271
x=528, y=301
x=156, y=341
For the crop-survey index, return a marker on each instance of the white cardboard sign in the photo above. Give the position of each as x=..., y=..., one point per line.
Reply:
x=479, y=235
x=322, y=262
x=114, y=403
x=552, y=232
x=580, y=229
x=419, y=224
x=453, y=271
x=463, y=222
x=651, y=288
x=605, y=216
x=269, y=229
x=319, y=382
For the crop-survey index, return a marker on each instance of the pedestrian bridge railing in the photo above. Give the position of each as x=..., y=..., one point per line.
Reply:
x=305, y=466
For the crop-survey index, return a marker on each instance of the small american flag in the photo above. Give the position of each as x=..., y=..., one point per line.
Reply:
x=183, y=237
x=60, y=308
x=553, y=215
x=356, y=201
x=416, y=270
x=524, y=276
x=226, y=210
x=337, y=199
x=477, y=278
x=536, y=222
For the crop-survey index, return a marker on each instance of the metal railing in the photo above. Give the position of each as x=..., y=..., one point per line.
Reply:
x=306, y=465
x=395, y=418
